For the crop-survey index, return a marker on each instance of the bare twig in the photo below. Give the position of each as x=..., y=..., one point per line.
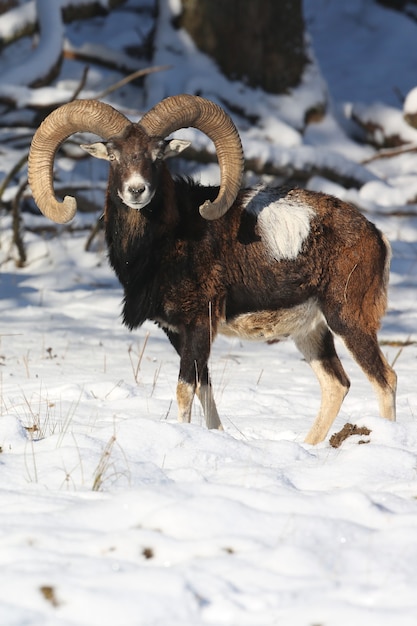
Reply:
x=136, y=369
x=15, y=169
x=128, y=79
x=389, y=153
x=17, y=235
x=98, y=226
x=81, y=84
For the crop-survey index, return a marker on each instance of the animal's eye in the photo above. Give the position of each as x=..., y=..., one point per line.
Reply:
x=112, y=156
x=157, y=154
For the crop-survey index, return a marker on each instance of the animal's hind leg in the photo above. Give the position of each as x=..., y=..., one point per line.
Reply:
x=318, y=349
x=356, y=314
x=365, y=349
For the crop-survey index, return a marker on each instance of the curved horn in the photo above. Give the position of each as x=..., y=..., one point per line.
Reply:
x=185, y=110
x=77, y=116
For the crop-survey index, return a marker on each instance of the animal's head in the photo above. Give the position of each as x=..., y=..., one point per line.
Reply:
x=134, y=151
x=135, y=161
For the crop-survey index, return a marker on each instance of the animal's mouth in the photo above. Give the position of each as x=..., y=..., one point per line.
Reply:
x=133, y=205
x=136, y=200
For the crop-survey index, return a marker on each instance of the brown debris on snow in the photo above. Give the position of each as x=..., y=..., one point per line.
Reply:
x=348, y=430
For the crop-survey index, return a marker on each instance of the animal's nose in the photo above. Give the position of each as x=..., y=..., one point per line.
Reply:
x=137, y=191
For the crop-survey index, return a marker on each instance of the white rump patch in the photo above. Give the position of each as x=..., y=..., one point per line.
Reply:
x=283, y=221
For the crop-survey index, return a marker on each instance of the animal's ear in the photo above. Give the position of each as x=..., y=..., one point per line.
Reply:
x=174, y=147
x=98, y=150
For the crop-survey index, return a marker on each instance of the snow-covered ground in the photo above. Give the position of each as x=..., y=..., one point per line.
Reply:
x=112, y=512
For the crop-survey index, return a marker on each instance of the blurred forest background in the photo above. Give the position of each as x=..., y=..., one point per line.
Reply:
x=53, y=51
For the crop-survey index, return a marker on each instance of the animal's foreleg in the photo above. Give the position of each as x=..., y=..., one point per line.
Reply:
x=194, y=349
x=205, y=395
x=185, y=397
x=186, y=385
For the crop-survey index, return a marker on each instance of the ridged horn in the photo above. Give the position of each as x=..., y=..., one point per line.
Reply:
x=74, y=117
x=186, y=110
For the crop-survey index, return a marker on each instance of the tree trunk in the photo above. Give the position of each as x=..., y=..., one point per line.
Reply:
x=6, y=5
x=260, y=42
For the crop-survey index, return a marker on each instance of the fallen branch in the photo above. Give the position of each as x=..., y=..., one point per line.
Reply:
x=383, y=126
x=34, y=99
x=390, y=153
x=101, y=55
x=288, y=172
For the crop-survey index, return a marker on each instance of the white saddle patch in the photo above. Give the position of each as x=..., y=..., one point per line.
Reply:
x=283, y=222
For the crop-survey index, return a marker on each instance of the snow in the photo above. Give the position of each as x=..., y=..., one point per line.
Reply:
x=377, y=36
x=112, y=512
x=17, y=19
x=48, y=50
x=410, y=102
